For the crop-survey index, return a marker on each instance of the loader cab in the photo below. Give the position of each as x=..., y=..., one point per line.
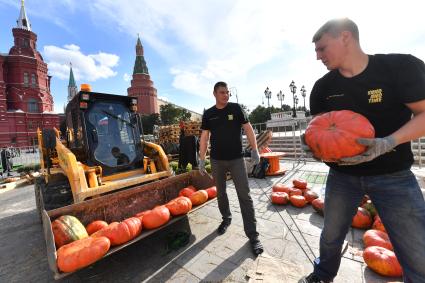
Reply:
x=104, y=130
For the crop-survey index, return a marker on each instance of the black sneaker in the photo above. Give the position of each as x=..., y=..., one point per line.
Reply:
x=257, y=247
x=312, y=278
x=223, y=227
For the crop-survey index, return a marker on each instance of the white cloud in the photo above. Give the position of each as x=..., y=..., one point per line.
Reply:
x=90, y=67
x=126, y=77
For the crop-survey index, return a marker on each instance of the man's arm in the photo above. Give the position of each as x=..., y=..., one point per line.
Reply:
x=203, y=144
x=250, y=135
x=413, y=129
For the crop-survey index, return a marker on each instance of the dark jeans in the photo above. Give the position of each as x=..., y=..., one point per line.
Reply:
x=236, y=167
x=400, y=204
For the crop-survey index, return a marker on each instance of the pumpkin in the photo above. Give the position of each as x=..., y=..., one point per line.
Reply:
x=134, y=225
x=156, y=217
x=310, y=195
x=279, y=187
x=280, y=198
x=96, y=226
x=299, y=184
x=362, y=219
x=67, y=229
x=332, y=135
x=368, y=205
x=199, y=197
x=382, y=261
x=295, y=192
x=179, y=205
x=297, y=200
x=364, y=200
x=212, y=192
x=377, y=238
x=319, y=206
x=81, y=253
x=186, y=192
x=378, y=225
x=117, y=232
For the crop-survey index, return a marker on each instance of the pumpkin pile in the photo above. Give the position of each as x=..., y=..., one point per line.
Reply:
x=332, y=135
x=79, y=246
x=299, y=195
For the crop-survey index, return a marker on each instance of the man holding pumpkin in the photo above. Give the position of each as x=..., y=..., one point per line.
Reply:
x=389, y=90
x=224, y=123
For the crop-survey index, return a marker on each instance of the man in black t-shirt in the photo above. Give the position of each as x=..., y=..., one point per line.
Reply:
x=388, y=90
x=222, y=124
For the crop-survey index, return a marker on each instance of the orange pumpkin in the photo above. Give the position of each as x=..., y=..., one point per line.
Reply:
x=280, y=198
x=332, y=135
x=299, y=184
x=279, y=187
x=117, y=232
x=67, y=229
x=297, y=200
x=156, y=217
x=370, y=207
x=295, y=192
x=199, y=197
x=378, y=225
x=362, y=219
x=212, y=192
x=377, y=238
x=319, y=205
x=134, y=225
x=382, y=261
x=186, y=192
x=96, y=226
x=179, y=205
x=310, y=195
x=81, y=253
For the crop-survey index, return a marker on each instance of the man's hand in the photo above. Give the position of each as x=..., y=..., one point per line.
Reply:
x=306, y=149
x=201, y=167
x=375, y=148
x=255, y=157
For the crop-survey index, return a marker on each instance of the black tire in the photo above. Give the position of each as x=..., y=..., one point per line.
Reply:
x=38, y=187
x=49, y=138
x=56, y=195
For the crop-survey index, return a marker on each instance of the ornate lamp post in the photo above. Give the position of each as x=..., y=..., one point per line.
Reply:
x=280, y=96
x=293, y=89
x=268, y=95
x=303, y=94
x=296, y=102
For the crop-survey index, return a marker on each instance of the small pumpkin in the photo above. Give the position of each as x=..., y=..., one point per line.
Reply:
x=280, y=198
x=295, y=192
x=117, y=232
x=300, y=184
x=382, y=261
x=370, y=207
x=198, y=197
x=332, y=135
x=377, y=238
x=362, y=219
x=279, y=187
x=310, y=195
x=156, y=217
x=298, y=201
x=180, y=205
x=81, y=253
x=186, y=192
x=212, y=192
x=378, y=225
x=67, y=229
x=95, y=226
x=319, y=206
x=134, y=225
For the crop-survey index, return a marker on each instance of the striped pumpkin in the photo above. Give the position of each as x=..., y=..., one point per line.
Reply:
x=67, y=229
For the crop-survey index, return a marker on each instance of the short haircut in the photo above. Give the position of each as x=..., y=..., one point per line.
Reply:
x=335, y=27
x=219, y=84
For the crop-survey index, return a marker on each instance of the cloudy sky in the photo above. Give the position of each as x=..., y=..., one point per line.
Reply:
x=191, y=44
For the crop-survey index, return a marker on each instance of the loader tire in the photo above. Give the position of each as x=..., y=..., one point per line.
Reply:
x=39, y=182
x=56, y=195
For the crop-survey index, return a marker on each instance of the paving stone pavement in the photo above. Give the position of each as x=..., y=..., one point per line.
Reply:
x=208, y=257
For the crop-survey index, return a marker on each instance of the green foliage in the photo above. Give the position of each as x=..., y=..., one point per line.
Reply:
x=148, y=121
x=173, y=115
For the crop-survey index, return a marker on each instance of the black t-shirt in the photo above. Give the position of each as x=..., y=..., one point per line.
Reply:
x=225, y=126
x=379, y=93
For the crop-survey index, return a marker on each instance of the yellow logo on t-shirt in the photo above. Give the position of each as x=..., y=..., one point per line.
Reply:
x=375, y=95
x=230, y=117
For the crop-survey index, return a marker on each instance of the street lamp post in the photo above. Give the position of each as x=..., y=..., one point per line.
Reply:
x=280, y=96
x=268, y=95
x=293, y=89
x=303, y=94
x=296, y=102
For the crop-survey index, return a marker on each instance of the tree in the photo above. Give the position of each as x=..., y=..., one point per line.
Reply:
x=259, y=115
x=244, y=108
x=148, y=121
x=173, y=115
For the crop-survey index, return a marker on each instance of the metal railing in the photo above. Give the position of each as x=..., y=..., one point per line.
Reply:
x=19, y=157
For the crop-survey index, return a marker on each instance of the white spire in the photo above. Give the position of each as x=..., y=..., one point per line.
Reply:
x=23, y=21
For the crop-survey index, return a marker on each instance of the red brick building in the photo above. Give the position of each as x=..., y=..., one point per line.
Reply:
x=142, y=85
x=25, y=99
